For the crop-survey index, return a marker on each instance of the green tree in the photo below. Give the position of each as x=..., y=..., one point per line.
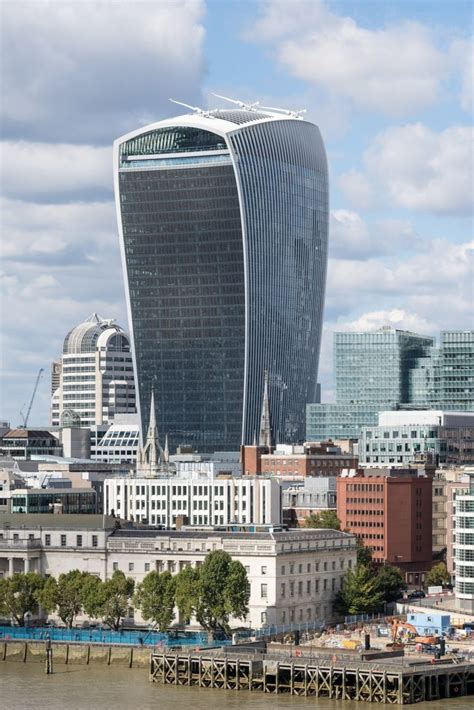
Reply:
x=438, y=575
x=109, y=600
x=187, y=592
x=155, y=597
x=19, y=595
x=390, y=583
x=364, y=554
x=324, y=519
x=223, y=590
x=359, y=594
x=65, y=595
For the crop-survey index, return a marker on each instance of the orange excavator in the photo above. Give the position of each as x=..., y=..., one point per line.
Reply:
x=397, y=625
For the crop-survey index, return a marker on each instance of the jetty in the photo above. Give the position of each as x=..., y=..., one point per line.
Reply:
x=399, y=682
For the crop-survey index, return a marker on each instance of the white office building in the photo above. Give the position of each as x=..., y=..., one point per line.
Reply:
x=196, y=498
x=294, y=575
x=95, y=375
x=463, y=534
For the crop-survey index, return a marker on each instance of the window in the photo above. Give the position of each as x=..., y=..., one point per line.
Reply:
x=325, y=566
x=282, y=589
x=283, y=570
x=78, y=540
x=63, y=541
x=95, y=540
x=47, y=540
x=115, y=566
x=263, y=591
x=131, y=566
x=264, y=569
x=147, y=566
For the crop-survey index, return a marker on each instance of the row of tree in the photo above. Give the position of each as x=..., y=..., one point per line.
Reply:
x=212, y=593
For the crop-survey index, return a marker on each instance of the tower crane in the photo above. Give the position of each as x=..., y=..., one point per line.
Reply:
x=25, y=418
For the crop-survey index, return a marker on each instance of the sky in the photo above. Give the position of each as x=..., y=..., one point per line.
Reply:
x=388, y=83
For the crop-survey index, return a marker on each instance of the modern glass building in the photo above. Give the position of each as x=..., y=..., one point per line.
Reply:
x=372, y=373
x=223, y=221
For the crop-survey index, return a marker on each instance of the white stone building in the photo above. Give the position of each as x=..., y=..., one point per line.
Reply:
x=95, y=375
x=464, y=546
x=294, y=575
x=196, y=498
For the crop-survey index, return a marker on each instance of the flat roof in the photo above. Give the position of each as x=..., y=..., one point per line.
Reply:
x=61, y=520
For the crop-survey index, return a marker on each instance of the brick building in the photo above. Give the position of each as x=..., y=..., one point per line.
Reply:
x=310, y=459
x=391, y=511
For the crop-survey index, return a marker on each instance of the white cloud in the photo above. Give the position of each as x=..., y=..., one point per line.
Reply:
x=416, y=168
x=396, y=69
x=90, y=71
x=48, y=171
x=350, y=237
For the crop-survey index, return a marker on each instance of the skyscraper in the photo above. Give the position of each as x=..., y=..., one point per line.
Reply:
x=223, y=222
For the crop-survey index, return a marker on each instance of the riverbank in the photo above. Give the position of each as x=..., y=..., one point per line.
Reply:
x=75, y=654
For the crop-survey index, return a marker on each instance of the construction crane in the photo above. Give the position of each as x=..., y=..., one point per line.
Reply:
x=25, y=418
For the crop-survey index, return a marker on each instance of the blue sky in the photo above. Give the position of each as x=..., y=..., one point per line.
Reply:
x=389, y=84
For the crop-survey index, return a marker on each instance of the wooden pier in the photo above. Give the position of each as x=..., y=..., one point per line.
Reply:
x=374, y=682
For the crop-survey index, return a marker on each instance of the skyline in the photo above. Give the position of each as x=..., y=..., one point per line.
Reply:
x=395, y=127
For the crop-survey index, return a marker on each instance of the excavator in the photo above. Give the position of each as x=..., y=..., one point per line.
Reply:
x=398, y=625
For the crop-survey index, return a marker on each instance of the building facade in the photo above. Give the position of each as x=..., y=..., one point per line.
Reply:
x=22, y=444
x=195, y=499
x=390, y=510
x=223, y=222
x=294, y=575
x=301, y=499
x=371, y=373
x=464, y=546
x=95, y=375
x=400, y=437
x=309, y=459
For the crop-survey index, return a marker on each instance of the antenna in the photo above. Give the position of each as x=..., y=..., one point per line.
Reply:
x=288, y=112
x=196, y=109
x=242, y=104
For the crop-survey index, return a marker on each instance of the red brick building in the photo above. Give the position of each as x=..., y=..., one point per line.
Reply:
x=318, y=459
x=391, y=511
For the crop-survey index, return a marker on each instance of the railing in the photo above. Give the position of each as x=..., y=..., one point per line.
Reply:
x=307, y=627
x=356, y=618
x=20, y=544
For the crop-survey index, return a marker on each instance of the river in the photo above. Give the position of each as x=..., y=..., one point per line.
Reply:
x=26, y=686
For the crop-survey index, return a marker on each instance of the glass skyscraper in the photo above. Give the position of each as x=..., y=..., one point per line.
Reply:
x=223, y=220
x=372, y=373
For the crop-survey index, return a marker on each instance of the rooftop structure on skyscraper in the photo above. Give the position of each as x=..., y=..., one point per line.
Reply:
x=223, y=222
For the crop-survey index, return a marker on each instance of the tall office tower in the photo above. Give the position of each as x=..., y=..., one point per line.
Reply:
x=223, y=221
x=96, y=375
x=372, y=373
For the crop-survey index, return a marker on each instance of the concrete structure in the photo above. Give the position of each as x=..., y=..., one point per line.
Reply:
x=314, y=495
x=444, y=437
x=371, y=373
x=293, y=575
x=390, y=510
x=309, y=459
x=439, y=544
x=76, y=442
x=218, y=290
x=95, y=375
x=464, y=547
x=457, y=484
x=117, y=443
x=198, y=498
x=22, y=444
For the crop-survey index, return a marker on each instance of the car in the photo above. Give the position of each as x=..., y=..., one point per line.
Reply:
x=416, y=594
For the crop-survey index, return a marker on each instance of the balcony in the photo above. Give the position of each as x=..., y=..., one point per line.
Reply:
x=10, y=544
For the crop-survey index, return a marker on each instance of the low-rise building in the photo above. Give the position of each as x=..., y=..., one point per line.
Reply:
x=22, y=444
x=390, y=510
x=302, y=498
x=54, y=500
x=294, y=575
x=310, y=459
x=196, y=498
x=447, y=437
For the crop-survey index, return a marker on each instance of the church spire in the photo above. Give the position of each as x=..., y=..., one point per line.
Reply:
x=151, y=455
x=166, y=452
x=265, y=438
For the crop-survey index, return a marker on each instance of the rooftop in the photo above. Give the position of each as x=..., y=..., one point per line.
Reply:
x=64, y=520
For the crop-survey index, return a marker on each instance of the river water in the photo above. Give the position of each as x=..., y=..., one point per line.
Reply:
x=25, y=686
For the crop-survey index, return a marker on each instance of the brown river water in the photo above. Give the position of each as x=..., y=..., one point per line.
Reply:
x=27, y=687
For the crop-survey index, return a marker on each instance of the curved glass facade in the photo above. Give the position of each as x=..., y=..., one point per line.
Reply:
x=225, y=258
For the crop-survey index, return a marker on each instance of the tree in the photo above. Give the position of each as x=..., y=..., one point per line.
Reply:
x=364, y=554
x=19, y=595
x=223, y=591
x=438, y=575
x=324, y=519
x=360, y=593
x=66, y=595
x=187, y=592
x=390, y=583
x=109, y=600
x=155, y=597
